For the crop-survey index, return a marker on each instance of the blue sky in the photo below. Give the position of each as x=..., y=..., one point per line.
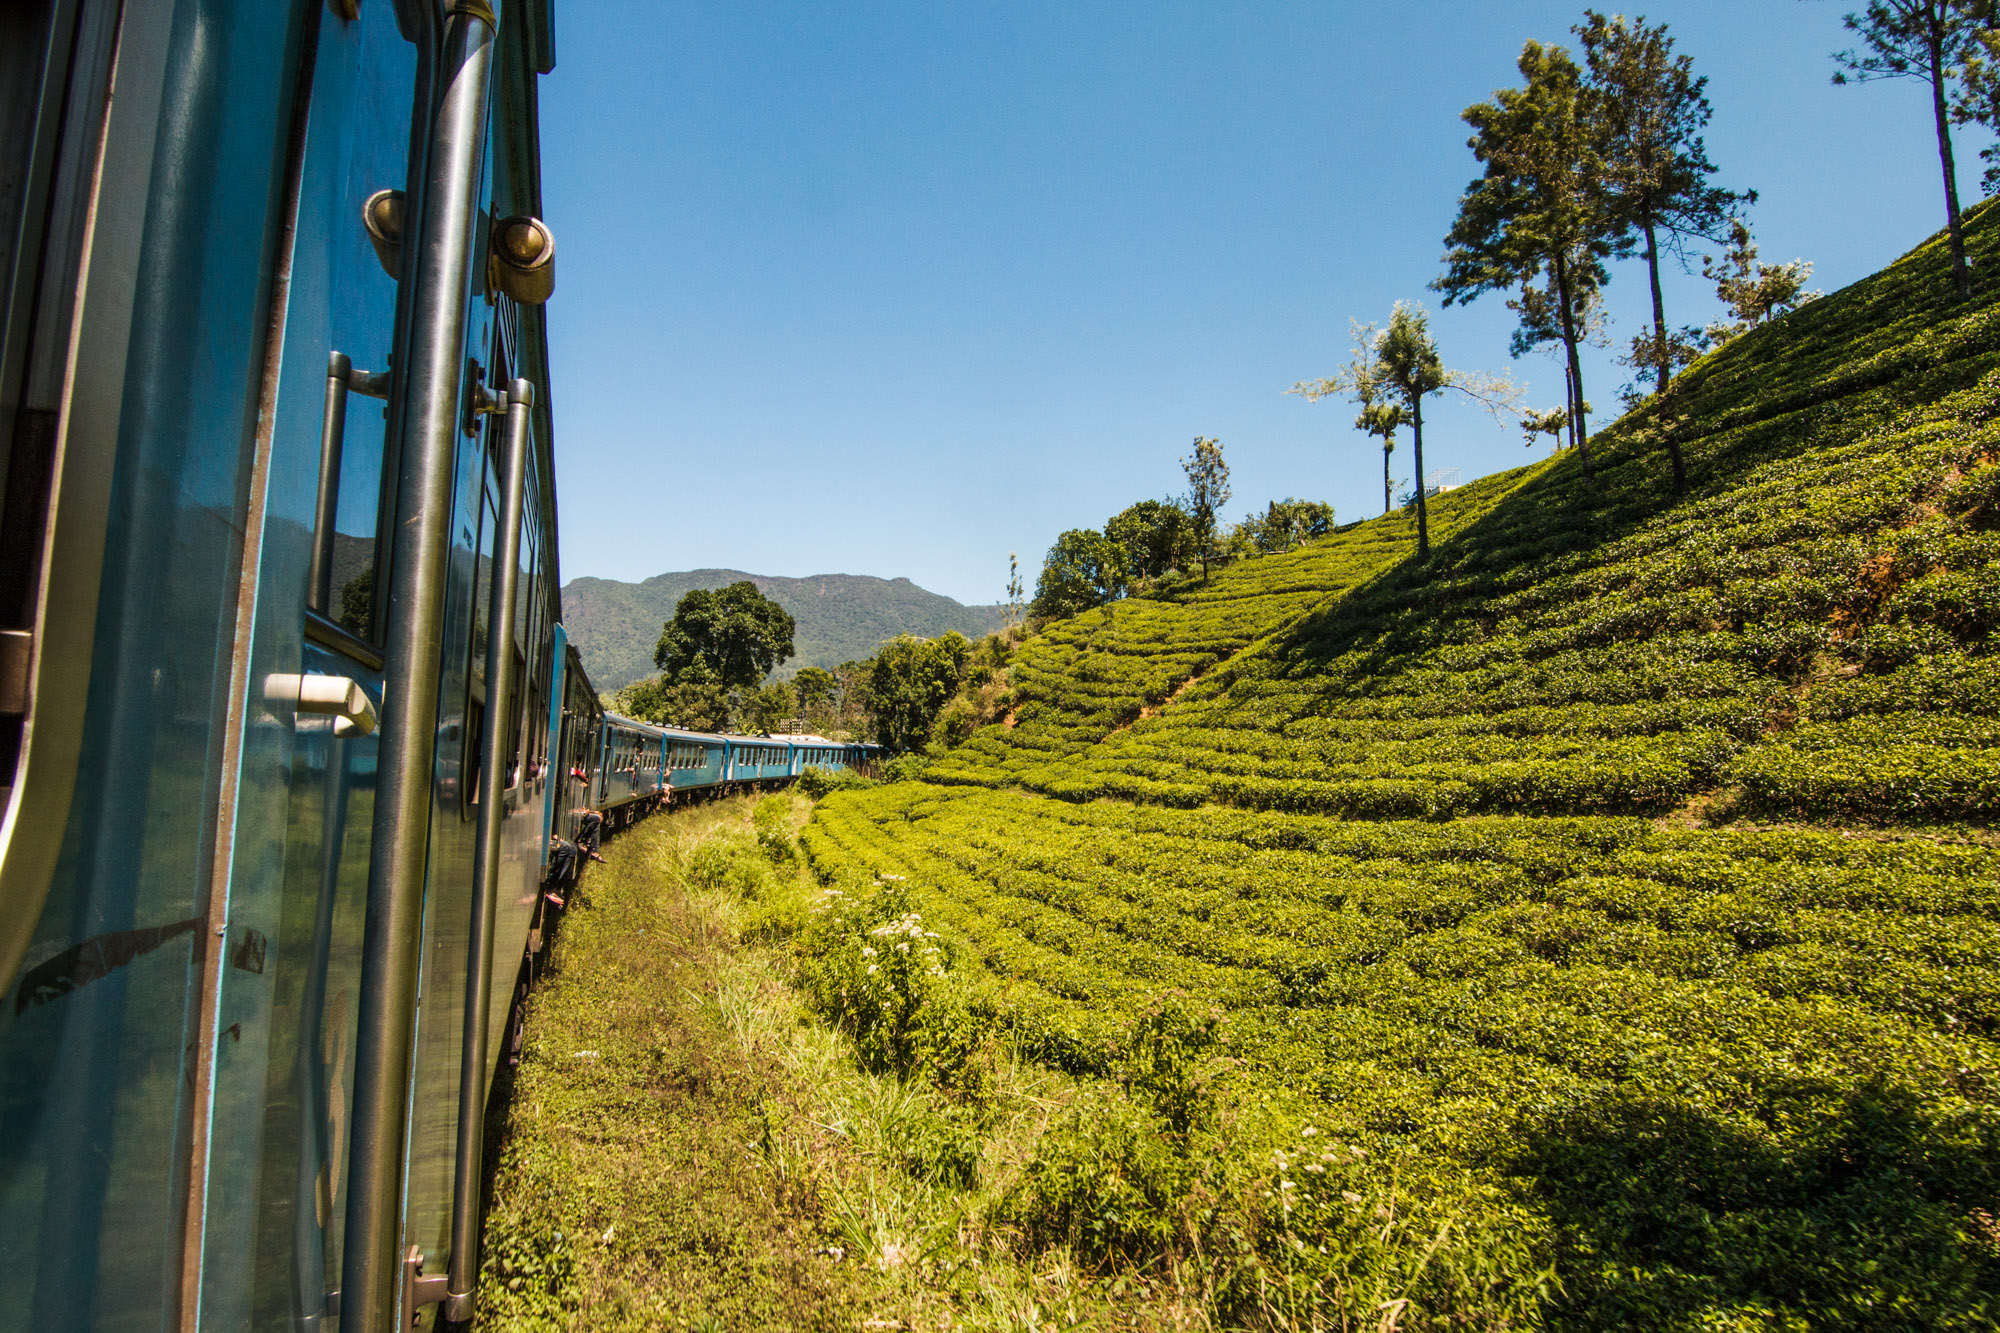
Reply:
x=896, y=289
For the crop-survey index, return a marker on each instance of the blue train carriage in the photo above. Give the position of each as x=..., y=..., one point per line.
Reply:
x=631, y=770
x=576, y=722
x=278, y=601
x=811, y=751
x=758, y=759
x=696, y=761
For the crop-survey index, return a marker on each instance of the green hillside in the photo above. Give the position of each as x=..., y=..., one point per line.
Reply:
x=841, y=617
x=1606, y=912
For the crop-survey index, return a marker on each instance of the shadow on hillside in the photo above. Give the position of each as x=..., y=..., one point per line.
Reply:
x=1867, y=1219
x=1761, y=399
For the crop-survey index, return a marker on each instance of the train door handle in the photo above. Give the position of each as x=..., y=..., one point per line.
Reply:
x=341, y=379
x=352, y=711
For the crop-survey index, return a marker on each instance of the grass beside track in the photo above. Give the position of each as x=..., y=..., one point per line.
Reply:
x=690, y=1147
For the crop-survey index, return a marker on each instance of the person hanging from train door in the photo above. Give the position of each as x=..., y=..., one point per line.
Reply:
x=562, y=868
x=589, y=832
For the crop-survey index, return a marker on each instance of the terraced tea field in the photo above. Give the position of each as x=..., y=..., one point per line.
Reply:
x=1621, y=881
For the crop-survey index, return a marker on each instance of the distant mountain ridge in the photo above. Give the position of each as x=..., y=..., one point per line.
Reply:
x=840, y=617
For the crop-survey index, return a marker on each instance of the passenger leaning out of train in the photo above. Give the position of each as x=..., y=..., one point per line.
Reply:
x=562, y=868
x=589, y=832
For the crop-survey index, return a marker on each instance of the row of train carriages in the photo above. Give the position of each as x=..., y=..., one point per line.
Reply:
x=288, y=722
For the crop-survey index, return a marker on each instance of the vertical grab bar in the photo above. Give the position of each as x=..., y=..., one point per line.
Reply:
x=440, y=267
x=341, y=379
x=464, y=1271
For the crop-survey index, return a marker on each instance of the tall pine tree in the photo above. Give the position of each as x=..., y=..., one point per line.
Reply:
x=1540, y=207
x=1933, y=41
x=1655, y=168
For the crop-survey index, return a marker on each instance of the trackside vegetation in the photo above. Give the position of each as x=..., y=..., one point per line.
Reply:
x=751, y=1100
x=1593, y=926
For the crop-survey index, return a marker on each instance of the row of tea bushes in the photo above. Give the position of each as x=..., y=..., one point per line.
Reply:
x=1624, y=1027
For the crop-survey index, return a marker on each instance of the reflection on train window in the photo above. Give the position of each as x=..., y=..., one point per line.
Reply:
x=343, y=299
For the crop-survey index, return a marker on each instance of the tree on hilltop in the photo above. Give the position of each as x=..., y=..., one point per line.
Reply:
x=1361, y=380
x=1537, y=312
x=1411, y=370
x=1551, y=423
x=1540, y=207
x=1753, y=291
x=735, y=635
x=1655, y=167
x=1083, y=569
x=1208, y=491
x=1155, y=535
x=1933, y=41
x=910, y=682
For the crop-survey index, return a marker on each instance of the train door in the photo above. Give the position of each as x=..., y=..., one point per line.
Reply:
x=275, y=1192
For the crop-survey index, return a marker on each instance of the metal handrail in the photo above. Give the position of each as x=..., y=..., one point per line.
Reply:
x=493, y=757
x=441, y=268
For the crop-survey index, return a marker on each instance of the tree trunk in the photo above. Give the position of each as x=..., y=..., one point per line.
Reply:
x=1575, y=364
x=1569, y=405
x=1417, y=445
x=1388, y=447
x=1961, y=272
x=1663, y=360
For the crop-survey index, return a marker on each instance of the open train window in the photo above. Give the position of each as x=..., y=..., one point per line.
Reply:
x=54, y=75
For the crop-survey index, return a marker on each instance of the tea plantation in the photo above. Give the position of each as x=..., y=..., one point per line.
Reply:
x=1615, y=892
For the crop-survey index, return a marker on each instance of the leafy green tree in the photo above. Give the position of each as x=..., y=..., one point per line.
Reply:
x=1978, y=101
x=696, y=701
x=1552, y=423
x=1208, y=491
x=910, y=683
x=816, y=689
x=1412, y=371
x=767, y=708
x=1083, y=569
x=1013, y=588
x=1932, y=41
x=1155, y=536
x=736, y=633
x=1541, y=206
x=1537, y=310
x=1753, y=291
x=1287, y=524
x=1361, y=379
x=1655, y=168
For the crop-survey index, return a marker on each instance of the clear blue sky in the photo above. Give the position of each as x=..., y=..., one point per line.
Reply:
x=895, y=289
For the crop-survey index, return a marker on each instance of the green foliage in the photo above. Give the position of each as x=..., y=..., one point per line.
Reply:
x=1655, y=166
x=905, y=768
x=1287, y=524
x=1753, y=292
x=818, y=782
x=1083, y=569
x=736, y=636
x=870, y=965
x=1208, y=490
x=1539, y=210
x=696, y=701
x=771, y=818
x=1155, y=536
x=911, y=682
x=817, y=688
x=767, y=708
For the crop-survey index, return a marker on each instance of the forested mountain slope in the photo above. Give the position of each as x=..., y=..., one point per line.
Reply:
x=840, y=617
x=1616, y=891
